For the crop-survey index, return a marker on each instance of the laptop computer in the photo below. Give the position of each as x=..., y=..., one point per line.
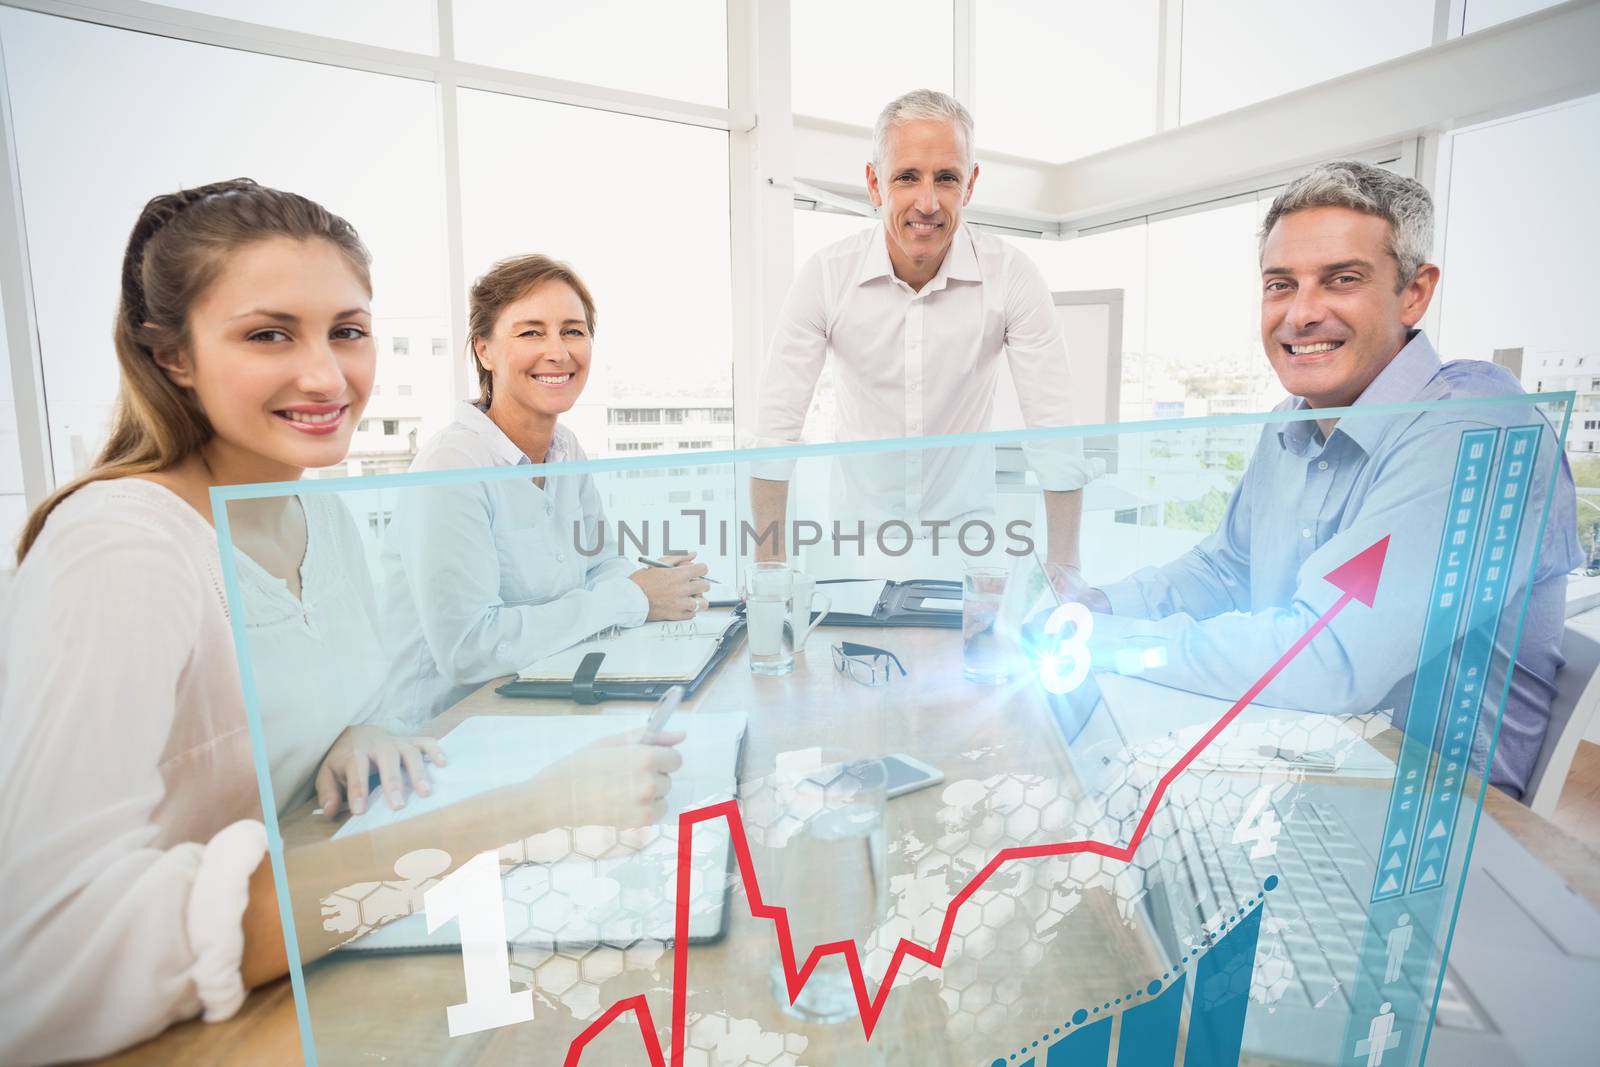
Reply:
x=1523, y=963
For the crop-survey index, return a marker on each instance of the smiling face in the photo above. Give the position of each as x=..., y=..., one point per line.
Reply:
x=921, y=185
x=538, y=355
x=1332, y=312
x=281, y=358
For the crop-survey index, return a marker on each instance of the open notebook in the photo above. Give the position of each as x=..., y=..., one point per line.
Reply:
x=656, y=651
x=575, y=900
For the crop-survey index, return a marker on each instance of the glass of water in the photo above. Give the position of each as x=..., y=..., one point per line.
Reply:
x=984, y=657
x=768, y=588
x=830, y=874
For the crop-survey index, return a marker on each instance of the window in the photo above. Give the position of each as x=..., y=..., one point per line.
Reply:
x=401, y=346
x=441, y=347
x=724, y=415
x=363, y=425
x=633, y=415
x=694, y=444
x=406, y=24
x=1181, y=340
x=391, y=427
x=637, y=446
x=66, y=126
x=405, y=389
x=678, y=50
x=848, y=59
x=513, y=201
x=1239, y=52
x=1481, y=14
x=1039, y=62
x=674, y=415
x=1534, y=164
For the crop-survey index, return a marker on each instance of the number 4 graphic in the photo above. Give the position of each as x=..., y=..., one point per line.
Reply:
x=1259, y=826
x=471, y=896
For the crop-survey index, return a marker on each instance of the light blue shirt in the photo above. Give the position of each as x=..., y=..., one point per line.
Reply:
x=482, y=578
x=1230, y=606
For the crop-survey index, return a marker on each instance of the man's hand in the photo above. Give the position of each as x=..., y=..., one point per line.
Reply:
x=1070, y=585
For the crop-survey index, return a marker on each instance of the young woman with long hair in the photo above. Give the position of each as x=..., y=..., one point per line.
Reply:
x=131, y=847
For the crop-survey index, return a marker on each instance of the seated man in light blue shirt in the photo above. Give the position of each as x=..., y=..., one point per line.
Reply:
x=1344, y=283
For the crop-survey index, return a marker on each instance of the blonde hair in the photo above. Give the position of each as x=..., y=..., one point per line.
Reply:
x=505, y=283
x=177, y=249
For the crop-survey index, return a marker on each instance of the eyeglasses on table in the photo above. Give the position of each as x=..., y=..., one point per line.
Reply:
x=866, y=664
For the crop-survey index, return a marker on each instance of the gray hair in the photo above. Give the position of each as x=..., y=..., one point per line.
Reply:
x=1402, y=202
x=917, y=105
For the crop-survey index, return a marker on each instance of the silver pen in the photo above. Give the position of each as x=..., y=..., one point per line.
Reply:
x=663, y=711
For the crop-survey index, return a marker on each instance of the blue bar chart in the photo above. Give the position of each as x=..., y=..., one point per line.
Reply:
x=1146, y=1022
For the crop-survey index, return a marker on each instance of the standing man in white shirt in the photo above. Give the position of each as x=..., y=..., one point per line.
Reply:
x=917, y=312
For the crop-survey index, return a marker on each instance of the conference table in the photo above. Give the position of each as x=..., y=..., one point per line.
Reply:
x=391, y=1008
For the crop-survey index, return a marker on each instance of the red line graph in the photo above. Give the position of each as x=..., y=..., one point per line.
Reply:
x=1358, y=580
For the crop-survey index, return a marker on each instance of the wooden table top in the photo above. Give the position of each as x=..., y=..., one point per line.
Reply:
x=372, y=1007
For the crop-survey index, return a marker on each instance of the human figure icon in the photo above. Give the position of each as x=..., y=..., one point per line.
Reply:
x=1381, y=1036
x=1399, y=941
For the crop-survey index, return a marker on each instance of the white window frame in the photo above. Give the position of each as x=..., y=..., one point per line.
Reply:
x=758, y=83
x=1551, y=59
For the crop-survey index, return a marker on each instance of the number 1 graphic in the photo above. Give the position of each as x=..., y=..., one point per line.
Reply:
x=471, y=896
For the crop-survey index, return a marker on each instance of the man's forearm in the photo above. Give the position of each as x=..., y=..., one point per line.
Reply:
x=769, y=505
x=1063, y=519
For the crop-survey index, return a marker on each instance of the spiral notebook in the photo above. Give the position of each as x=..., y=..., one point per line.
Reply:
x=614, y=900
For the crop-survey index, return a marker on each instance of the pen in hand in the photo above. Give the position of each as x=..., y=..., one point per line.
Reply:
x=663, y=711
x=648, y=562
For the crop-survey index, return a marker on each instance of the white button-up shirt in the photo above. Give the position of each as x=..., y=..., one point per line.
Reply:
x=482, y=578
x=919, y=363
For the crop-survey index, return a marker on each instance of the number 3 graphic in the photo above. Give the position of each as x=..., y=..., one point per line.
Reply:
x=1064, y=668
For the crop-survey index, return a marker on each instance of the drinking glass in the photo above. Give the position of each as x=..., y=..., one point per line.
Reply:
x=768, y=588
x=830, y=875
x=984, y=657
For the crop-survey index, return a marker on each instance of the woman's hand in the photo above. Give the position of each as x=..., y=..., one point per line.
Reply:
x=619, y=781
x=357, y=751
x=674, y=591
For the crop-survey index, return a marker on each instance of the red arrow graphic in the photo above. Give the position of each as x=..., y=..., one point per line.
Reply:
x=1357, y=577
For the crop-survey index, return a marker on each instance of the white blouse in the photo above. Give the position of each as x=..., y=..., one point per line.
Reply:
x=126, y=769
x=481, y=578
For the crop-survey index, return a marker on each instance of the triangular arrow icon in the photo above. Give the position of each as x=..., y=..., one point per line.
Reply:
x=1428, y=875
x=1434, y=853
x=1358, y=575
x=1389, y=885
x=1398, y=839
x=1394, y=861
x=1437, y=831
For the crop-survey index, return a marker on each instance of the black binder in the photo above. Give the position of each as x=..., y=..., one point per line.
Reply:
x=585, y=688
x=901, y=605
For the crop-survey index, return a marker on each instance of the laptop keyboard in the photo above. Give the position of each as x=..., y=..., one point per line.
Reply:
x=1323, y=946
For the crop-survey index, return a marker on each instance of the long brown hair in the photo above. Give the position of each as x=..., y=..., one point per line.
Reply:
x=177, y=249
x=507, y=282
